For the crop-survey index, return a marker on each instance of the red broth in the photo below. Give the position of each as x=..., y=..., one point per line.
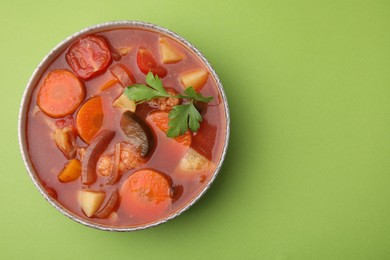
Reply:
x=166, y=154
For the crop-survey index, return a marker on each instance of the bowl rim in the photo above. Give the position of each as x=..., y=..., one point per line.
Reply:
x=34, y=79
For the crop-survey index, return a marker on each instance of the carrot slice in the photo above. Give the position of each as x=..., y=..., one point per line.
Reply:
x=146, y=194
x=109, y=84
x=60, y=94
x=161, y=120
x=89, y=119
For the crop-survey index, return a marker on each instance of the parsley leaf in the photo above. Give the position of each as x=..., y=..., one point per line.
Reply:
x=178, y=123
x=194, y=118
x=141, y=93
x=182, y=116
x=191, y=93
x=155, y=83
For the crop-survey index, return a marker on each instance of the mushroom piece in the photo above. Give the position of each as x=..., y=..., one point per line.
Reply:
x=138, y=132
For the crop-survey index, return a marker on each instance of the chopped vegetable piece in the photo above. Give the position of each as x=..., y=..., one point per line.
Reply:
x=71, y=172
x=50, y=191
x=146, y=194
x=113, y=217
x=89, y=56
x=124, y=51
x=193, y=161
x=60, y=94
x=90, y=201
x=123, y=74
x=89, y=119
x=65, y=136
x=81, y=152
x=204, y=140
x=114, y=174
x=109, y=84
x=147, y=63
x=161, y=120
x=116, y=56
x=97, y=146
x=195, y=78
x=112, y=202
x=168, y=53
x=65, y=140
x=138, y=132
x=176, y=192
x=123, y=102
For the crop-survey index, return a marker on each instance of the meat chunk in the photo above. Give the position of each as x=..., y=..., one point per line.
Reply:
x=165, y=103
x=129, y=159
x=104, y=165
x=65, y=141
x=64, y=135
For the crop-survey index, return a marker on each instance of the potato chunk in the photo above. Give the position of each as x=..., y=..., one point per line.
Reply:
x=195, y=78
x=71, y=172
x=193, y=161
x=125, y=103
x=90, y=201
x=169, y=54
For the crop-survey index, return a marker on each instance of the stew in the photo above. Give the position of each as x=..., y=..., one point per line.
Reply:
x=110, y=159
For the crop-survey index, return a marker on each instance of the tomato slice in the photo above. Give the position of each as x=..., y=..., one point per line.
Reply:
x=89, y=56
x=146, y=63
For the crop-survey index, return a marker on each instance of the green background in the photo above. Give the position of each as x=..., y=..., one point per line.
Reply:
x=307, y=174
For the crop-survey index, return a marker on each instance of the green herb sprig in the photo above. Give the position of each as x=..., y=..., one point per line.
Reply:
x=182, y=116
